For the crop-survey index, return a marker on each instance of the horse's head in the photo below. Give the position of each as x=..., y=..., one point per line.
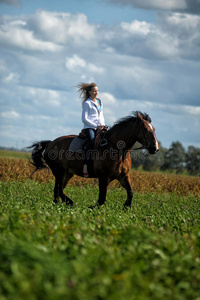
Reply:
x=146, y=135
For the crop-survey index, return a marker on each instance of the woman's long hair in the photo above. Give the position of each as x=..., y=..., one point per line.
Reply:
x=84, y=89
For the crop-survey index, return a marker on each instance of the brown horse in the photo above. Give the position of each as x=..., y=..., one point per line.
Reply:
x=109, y=162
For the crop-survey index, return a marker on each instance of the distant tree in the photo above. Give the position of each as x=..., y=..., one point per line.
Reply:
x=148, y=161
x=174, y=158
x=192, y=160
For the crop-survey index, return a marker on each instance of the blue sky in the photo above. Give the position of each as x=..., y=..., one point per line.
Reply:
x=97, y=11
x=144, y=55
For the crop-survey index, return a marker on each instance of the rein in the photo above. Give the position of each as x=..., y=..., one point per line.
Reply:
x=139, y=148
x=146, y=142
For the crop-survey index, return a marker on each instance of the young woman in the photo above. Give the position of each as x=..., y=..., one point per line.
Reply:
x=92, y=115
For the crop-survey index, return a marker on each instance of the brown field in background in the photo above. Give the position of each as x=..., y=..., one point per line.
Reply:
x=21, y=169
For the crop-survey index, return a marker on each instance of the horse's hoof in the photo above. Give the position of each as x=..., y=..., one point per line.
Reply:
x=70, y=203
x=56, y=202
x=126, y=207
x=92, y=206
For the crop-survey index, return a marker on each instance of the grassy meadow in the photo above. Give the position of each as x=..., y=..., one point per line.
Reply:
x=48, y=251
x=15, y=154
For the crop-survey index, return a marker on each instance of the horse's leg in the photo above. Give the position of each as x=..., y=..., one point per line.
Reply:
x=125, y=182
x=64, y=197
x=62, y=186
x=103, y=185
x=61, y=181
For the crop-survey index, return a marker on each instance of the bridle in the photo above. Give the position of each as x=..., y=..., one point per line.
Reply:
x=147, y=145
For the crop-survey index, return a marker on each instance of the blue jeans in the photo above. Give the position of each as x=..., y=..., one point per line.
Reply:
x=90, y=134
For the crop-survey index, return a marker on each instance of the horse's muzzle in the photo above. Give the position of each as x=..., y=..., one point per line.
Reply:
x=153, y=149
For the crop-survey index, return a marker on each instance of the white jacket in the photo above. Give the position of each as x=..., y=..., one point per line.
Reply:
x=91, y=116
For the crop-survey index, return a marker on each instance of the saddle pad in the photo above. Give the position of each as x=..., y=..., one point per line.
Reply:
x=77, y=144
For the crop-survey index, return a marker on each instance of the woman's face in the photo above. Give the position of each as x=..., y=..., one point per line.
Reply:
x=94, y=92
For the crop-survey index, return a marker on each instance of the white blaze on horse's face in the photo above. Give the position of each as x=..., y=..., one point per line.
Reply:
x=157, y=146
x=151, y=127
x=153, y=131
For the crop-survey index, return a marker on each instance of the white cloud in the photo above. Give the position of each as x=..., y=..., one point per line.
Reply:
x=181, y=26
x=51, y=25
x=110, y=50
x=191, y=110
x=110, y=107
x=136, y=27
x=63, y=27
x=72, y=63
x=172, y=36
x=10, y=114
x=95, y=69
x=148, y=39
x=76, y=64
x=12, y=77
x=176, y=109
x=6, y=75
x=183, y=30
x=15, y=34
x=108, y=99
x=43, y=97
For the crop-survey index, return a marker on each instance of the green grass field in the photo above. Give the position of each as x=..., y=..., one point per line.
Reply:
x=151, y=251
x=14, y=154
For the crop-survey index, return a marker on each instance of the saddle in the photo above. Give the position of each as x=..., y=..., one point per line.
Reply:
x=100, y=140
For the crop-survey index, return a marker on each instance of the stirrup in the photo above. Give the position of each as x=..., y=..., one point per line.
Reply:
x=85, y=173
x=103, y=142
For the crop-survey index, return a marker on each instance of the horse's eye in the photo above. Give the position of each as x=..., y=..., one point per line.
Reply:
x=145, y=129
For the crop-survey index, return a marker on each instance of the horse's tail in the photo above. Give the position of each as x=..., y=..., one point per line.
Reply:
x=37, y=154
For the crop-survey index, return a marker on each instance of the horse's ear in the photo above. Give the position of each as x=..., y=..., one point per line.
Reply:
x=140, y=117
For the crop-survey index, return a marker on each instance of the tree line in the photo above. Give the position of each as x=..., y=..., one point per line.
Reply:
x=175, y=159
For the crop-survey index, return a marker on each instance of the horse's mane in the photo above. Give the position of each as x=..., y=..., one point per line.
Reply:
x=124, y=121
